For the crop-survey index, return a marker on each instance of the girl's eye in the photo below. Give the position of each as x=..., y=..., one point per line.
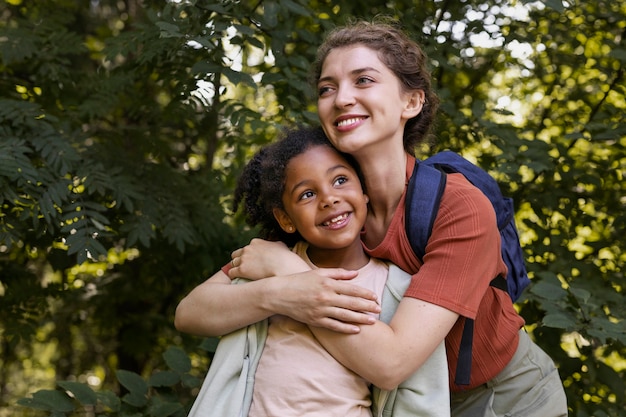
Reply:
x=306, y=195
x=341, y=180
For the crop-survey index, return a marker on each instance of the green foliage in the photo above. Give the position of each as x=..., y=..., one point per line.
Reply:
x=123, y=127
x=159, y=395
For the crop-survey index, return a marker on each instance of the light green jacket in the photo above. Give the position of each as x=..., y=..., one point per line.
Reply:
x=227, y=388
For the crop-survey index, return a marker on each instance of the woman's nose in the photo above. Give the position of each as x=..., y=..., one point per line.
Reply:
x=344, y=97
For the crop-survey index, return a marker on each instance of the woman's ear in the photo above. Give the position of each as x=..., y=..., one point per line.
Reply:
x=284, y=221
x=414, y=103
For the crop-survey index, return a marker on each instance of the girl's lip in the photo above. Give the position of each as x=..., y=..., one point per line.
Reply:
x=336, y=221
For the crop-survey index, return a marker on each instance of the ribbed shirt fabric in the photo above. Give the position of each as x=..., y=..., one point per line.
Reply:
x=462, y=257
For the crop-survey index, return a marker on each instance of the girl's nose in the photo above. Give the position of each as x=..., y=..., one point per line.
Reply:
x=329, y=200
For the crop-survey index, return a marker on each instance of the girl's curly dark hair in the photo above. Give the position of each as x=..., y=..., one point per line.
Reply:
x=262, y=182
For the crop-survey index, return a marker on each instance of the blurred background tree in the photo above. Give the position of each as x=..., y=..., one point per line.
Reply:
x=124, y=125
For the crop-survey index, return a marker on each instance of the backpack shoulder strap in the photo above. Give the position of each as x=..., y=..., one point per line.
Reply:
x=449, y=161
x=422, y=202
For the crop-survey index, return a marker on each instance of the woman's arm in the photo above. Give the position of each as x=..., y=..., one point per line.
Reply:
x=321, y=298
x=215, y=307
x=385, y=354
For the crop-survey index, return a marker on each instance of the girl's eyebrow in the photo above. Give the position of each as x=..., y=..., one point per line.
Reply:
x=306, y=181
x=356, y=71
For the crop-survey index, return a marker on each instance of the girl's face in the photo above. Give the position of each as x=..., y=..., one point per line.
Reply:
x=361, y=103
x=323, y=200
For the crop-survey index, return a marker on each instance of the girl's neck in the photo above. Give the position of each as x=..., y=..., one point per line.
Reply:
x=352, y=258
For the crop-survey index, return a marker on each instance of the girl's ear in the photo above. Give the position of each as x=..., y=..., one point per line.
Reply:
x=414, y=103
x=284, y=221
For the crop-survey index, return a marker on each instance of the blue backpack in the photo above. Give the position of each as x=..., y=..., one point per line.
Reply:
x=422, y=202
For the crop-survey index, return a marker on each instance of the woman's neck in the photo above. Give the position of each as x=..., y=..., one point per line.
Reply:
x=385, y=181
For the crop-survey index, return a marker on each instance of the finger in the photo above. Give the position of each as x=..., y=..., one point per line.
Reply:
x=354, y=291
x=355, y=318
x=338, y=326
x=233, y=273
x=357, y=306
x=236, y=253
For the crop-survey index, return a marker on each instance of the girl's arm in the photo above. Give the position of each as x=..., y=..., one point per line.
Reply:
x=385, y=354
x=321, y=298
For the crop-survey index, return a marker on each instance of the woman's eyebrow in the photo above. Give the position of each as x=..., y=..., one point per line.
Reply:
x=356, y=71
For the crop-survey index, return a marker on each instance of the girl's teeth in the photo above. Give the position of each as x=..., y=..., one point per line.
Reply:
x=336, y=219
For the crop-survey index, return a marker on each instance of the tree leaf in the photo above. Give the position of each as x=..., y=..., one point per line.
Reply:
x=132, y=382
x=559, y=321
x=109, y=400
x=177, y=359
x=52, y=400
x=164, y=379
x=82, y=392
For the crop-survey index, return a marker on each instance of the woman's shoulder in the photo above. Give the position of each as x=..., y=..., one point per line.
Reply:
x=462, y=200
x=460, y=190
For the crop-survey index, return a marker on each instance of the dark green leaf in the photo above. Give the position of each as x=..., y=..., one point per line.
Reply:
x=132, y=382
x=82, y=392
x=109, y=400
x=56, y=400
x=164, y=379
x=559, y=321
x=177, y=360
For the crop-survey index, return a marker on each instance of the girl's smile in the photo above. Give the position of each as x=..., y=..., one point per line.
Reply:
x=324, y=201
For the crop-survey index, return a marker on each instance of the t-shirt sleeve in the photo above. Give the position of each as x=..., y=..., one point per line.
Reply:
x=463, y=253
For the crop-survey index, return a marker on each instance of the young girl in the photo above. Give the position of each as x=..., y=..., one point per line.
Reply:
x=303, y=192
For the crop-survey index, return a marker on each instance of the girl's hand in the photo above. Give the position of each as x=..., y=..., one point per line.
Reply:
x=263, y=259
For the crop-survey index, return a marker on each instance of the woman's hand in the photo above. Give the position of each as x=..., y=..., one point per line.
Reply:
x=325, y=298
x=262, y=258
x=320, y=298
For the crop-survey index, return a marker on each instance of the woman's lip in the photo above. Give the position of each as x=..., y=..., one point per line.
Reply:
x=349, y=122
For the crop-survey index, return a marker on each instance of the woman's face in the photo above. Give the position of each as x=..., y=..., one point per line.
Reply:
x=361, y=103
x=323, y=200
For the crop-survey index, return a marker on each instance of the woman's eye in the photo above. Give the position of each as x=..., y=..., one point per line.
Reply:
x=364, y=80
x=321, y=91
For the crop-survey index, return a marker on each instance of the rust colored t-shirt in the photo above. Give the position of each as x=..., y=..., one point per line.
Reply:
x=462, y=257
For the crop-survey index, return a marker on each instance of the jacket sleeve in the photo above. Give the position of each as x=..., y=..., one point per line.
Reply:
x=426, y=392
x=228, y=385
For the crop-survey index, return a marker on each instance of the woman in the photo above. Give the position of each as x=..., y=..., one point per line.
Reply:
x=375, y=102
